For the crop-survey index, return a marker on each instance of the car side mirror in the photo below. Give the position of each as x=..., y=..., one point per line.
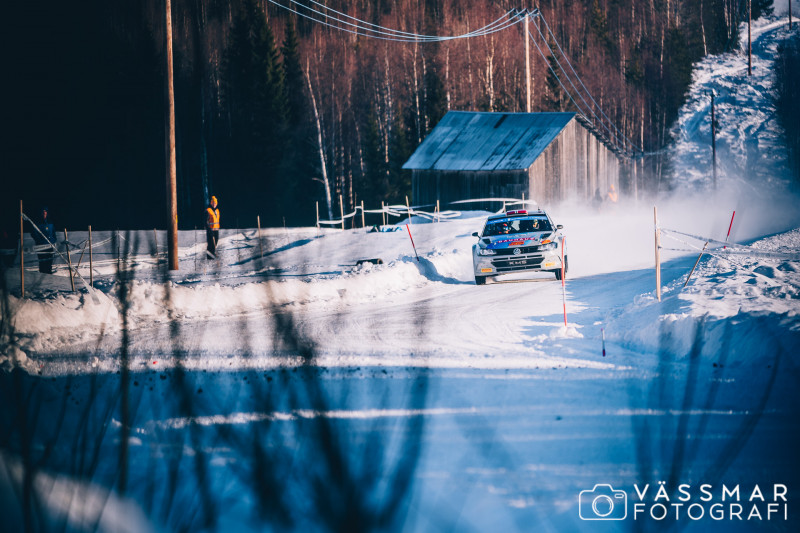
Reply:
x=559, y=226
x=475, y=234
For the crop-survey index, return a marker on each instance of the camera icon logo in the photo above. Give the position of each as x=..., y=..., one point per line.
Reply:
x=603, y=503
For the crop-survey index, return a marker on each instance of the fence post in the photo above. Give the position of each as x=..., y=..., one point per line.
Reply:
x=317, y=214
x=363, y=224
x=383, y=213
x=260, y=246
x=155, y=237
x=91, y=265
x=69, y=260
x=341, y=210
x=658, y=254
x=21, y=252
x=438, y=211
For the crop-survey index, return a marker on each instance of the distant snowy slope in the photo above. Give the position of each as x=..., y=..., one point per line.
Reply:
x=751, y=155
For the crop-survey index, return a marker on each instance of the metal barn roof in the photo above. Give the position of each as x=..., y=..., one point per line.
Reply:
x=487, y=141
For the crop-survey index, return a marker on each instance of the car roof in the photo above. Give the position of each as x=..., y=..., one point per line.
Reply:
x=515, y=215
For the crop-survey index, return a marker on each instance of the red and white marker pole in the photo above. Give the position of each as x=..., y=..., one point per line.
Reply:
x=412, y=242
x=729, y=229
x=563, y=275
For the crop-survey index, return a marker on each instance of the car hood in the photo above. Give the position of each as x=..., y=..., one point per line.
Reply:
x=498, y=242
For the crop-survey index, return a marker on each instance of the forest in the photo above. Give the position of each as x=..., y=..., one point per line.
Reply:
x=279, y=106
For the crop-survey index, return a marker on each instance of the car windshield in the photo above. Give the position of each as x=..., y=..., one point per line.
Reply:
x=510, y=226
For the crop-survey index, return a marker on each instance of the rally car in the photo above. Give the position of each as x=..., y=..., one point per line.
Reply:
x=518, y=241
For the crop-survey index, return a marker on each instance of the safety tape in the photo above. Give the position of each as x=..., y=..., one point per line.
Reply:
x=731, y=248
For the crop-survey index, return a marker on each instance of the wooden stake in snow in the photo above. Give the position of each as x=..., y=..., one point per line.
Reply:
x=91, y=260
x=658, y=255
x=363, y=224
x=695, y=264
x=260, y=246
x=341, y=210
x=69, y=260
x=317, y=215
x=603, y=333
x=412, y=243
x=383, y=213
x=155, y=238
x=563, y=286
x=21, y=253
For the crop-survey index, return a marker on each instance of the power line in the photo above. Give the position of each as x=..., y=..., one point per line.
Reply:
x=343, y=22
x=581, y=110
x=374, y=31
x=569, y=64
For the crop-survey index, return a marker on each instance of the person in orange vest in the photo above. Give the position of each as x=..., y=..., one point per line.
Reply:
x=212, y=228
x=612, y=194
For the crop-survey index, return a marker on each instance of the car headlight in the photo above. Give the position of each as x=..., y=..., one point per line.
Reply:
x=486, y=251
x=549, y=246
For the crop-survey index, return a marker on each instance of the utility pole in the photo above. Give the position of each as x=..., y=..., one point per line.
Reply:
x=713, y=142
x=749, y=39
x=527, y=65
x=172, y=165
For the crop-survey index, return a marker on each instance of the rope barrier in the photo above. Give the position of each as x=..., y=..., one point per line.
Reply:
x=732, y=248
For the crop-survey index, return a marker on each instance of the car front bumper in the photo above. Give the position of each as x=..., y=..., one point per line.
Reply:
x=493, y=265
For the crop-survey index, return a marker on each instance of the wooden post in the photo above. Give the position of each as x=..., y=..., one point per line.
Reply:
x=155, y=237
x=91, y=260
x=523, y=200
x=260, y=246
x=317, y=214
x=438, y=211
x=695, y=265
x=713, y=142
x=749, y=38
x=172, y=165
x=658, y=255
x=69, y=260
x=341, y=210
x=363, y=224
x=21, y=253
x=527, y=66
x=383, y=213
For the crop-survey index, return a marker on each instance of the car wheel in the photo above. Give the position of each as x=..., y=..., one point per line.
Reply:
x=480, y=280
x=566, y=268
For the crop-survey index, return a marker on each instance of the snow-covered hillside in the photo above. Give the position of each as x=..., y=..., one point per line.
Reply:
x=751, y=155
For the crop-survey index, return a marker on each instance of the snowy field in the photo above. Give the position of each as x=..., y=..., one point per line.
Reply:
x=299, y=391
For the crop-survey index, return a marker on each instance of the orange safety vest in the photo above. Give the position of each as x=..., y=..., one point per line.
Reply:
x=212, y=222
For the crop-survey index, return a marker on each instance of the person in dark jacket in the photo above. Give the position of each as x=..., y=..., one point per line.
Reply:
x=212, y=228
x=49, y=237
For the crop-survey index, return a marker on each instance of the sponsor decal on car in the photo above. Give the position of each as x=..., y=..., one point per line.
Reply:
x=486, y=270
x=548, y=265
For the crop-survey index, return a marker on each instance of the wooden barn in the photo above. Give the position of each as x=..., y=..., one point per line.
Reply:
x=548, y=157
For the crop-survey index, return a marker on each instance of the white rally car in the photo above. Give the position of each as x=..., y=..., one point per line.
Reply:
x=518, y=241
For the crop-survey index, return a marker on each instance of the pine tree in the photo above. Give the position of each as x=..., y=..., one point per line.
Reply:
x=255, y=97
x=299, y=163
